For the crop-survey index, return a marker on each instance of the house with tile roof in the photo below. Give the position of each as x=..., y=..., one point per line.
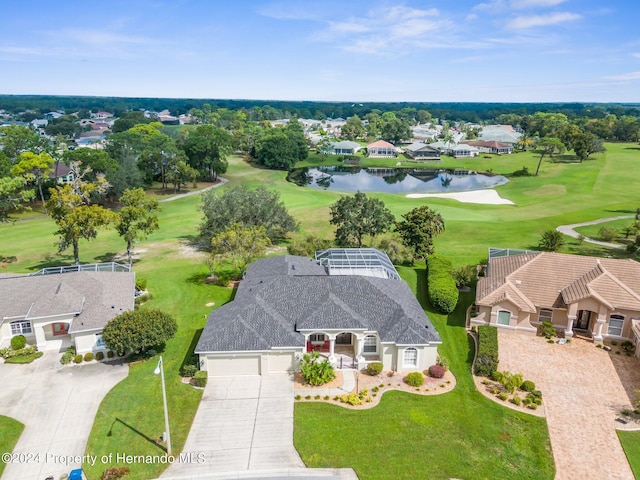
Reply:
x=491, y=146
x=381, y=149
x=595, y=297
x=58, y=310
x=348, y=304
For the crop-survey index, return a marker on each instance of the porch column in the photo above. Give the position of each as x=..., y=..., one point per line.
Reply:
x=359, y=356
x=41, y=340
x=568, y=332
x=332, y=348
x=598, y=335
x=306, y=342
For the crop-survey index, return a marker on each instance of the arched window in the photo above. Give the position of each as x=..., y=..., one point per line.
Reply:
x=504, y=317
x=370, y=344
x=410, y=358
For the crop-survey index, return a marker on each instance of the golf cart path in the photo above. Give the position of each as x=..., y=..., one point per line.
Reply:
x=570, y=230
x=195, y=192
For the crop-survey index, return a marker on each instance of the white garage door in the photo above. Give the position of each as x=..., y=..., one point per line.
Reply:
x=239, y=365
x=280, y=362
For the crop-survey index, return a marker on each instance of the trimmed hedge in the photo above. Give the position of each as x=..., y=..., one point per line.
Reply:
x=200, y=378
x=18, y=342
x=436, y=371
x=374, y=368
x=415, y=379
x=487, y=359
x=441, y=286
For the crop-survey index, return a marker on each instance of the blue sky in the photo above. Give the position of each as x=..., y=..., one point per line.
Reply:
x=438, y=50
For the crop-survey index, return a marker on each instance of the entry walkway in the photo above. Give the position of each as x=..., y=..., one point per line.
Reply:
x=244, y=429
x=583, y=395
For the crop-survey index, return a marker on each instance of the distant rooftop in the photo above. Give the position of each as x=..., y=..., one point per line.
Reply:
x=368, y=262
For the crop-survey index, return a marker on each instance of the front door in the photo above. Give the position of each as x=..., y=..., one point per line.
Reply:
x=582, y=320
x=343, y=339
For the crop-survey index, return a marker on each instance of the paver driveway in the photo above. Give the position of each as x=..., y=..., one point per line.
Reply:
x=583, y=395
x=57, y=405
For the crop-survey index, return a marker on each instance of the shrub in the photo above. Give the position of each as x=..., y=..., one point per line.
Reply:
x=141, y=284
x=24, y=358
x=317, y=397
x=110, y=354
x=511, y=381
x=487, y=359
x=436, y=371
x=441, y=286
x=100, y=356
x=497, y=376
x=547, y=330
x=139, y=330
x=307, y=397
x=143, y=298
x=443, y=362
x=77, y=359
x=18, y=342
x=464, y=275
x=374, y=368
x=608, y=234
x=88, y=357
x=415, y=379
x=516, y=400
x=327, y=397
x=351, y=399
x=503, y=396
x=316, y=372
x=627, y=346
x=528, y=386
x=532, y=406
x=200, y=378
x=115, y=473
x=298, y=397
x=66, y=358
x=188, y=370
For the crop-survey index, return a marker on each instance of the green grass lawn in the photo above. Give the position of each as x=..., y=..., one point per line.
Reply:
x=460, y=434
x=10, y=431
x=631, y=444
x=593, y=231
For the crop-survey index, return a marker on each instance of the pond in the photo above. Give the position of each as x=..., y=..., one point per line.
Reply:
x=393, y=180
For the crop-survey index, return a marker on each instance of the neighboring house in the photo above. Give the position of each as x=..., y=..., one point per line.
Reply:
x=346, y=147
x=424, y=132
x=58, y=310
x=101, y=115
x=381, y=149
x=445, y=148
x=422, y=151
x=499, y=133
x=462, y=150
x=349, y=304
x=597, y=297
x=497, y=148
x=61, y=173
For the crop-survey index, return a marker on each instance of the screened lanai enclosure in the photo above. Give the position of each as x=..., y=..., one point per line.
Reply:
x=367, y=262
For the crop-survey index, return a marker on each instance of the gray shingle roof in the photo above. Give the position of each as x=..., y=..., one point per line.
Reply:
x=96, y=297
x=272, y=304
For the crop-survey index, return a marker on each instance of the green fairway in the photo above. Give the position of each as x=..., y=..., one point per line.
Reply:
x=631, y=444
x=10, y=431
x=460, y=434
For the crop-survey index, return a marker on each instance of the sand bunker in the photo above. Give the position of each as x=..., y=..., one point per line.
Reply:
x=486, y=197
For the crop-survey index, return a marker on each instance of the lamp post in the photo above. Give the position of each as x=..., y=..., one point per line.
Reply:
x=160, y=370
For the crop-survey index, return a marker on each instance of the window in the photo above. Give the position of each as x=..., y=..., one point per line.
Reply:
x=504, y=317
x=410, y=357
x=546, y=314
x=615, y=325
x=316, y=337
x=100, y=341
x=370, y=344
x=20, y=327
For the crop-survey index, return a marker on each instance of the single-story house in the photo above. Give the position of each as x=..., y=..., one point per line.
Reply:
x=492, y=146
x=462, y=150
x=381, y=149
x=58, y=310
x=499, y=133
x=348, y=304
x=346, y=147
x=596, y=297
x=422, y=151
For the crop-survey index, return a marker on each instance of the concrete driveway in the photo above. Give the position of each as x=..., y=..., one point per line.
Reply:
x=583, y=394
x=57, y=404
x=244, y=429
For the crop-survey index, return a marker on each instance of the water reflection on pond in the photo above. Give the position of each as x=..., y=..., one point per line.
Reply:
x=393, y=180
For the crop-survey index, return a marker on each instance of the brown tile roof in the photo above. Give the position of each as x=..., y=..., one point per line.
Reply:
x=488, y=144
x=556, y=280
x=380, y=144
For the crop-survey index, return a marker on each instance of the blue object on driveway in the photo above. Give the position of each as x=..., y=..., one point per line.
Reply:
x=76, y=474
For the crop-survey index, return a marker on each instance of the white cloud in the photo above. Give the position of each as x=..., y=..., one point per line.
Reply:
x=636, y=55
x=529, y=21
x=498, y=6
x=626, y=76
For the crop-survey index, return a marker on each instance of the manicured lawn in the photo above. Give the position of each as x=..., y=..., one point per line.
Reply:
x=10, y=431
x=460, y=434
x=631, y=444
x=593, y=231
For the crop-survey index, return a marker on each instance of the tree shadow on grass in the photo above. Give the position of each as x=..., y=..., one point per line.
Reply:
x=627, y=212
x=190, y=358
x=52, y=261
x=197, y=278
x=108, y=257
x=136, y=431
